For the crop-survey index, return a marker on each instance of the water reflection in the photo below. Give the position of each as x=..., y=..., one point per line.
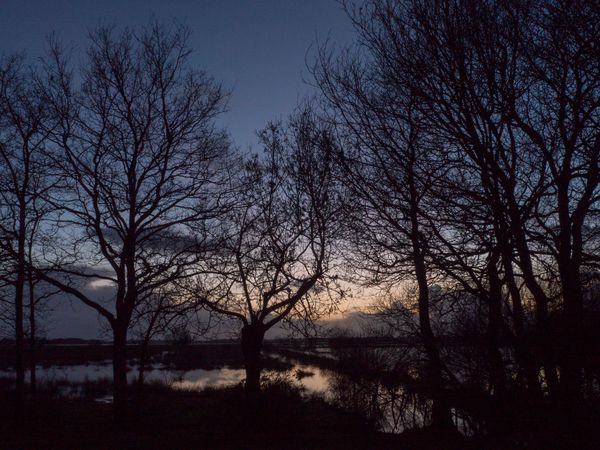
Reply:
x=356, y=386
x=196, y=379
x=311, y=379
x=391, y=408
x=199, y=379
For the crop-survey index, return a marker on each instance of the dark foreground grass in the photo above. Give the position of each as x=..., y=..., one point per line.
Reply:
x=161, y=418
x=214, y=419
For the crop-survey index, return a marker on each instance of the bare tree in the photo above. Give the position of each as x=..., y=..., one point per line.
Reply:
x=514, y=87
x=463, y=64
x=502, y=97
x=277, y=258
x=24, y=181
x=559, y=119
x=141, y=163
x=391, y=164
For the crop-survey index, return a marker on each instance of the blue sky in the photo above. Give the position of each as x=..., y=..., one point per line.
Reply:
x=257, y=48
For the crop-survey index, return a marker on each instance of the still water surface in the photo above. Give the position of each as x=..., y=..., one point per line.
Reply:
x=391, y=408
x=311, y=378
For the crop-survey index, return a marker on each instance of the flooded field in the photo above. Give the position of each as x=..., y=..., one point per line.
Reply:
x=311, y=379
x=353, y=379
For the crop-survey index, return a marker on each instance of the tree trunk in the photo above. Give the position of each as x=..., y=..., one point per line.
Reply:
x=523, y=355
x=32, y=337
x=569, y=246
x=497, y=373
x=441, y=418
x=19, y=333
x=505, y=232
x=498, y=417
x=252, y=339
x=545, y=336
x=120, y=373
x=572, y=337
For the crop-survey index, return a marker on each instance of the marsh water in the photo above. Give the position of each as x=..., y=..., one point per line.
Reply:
x=391, y=407
x=310, y=379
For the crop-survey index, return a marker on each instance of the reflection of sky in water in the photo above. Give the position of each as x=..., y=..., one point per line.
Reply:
x=399, y=409
x=198, y=379
x=191, y=379
x=314, y=381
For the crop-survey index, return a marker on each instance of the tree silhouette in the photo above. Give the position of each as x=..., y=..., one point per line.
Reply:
x=278, y=252
x=141, y=163
x=497, y=100
x=24, y=182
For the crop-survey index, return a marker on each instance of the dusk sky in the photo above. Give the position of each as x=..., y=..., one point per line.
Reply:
x=292, y=224
x=256, y=48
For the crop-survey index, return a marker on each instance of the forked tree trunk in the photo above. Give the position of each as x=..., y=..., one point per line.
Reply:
x=541, y=304
x=252, y=339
